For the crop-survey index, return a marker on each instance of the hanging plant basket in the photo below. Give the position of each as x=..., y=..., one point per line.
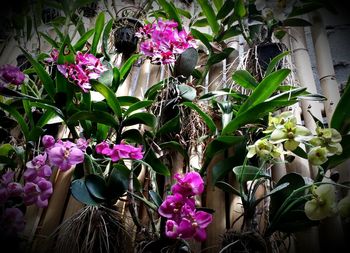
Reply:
x=125, y=40
x=90, y=10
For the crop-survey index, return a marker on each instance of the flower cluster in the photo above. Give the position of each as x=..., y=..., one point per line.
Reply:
x=184, y=221
x=63, y=155
x=119, y=151
x=10, y=75
x=86, y=67
x=162, y=41
x=11, y=218
x=283, y=129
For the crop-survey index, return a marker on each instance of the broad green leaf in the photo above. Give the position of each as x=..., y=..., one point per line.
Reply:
x=140, y=118
x=51, y=41
x=273, y=63
x=106, y=78
x=47, y=106
x=79, y=45
x=291, y=94
x=95, y=116
x=125, y=69
x=265, y=89
x=41, y=72
x=225, y=9
x=35, y=133
x=239, y=9
x=296, y=22
x=208, y=121
x=274, y=190
x=171, y=126
x=227, y=188
x=210, y=15
x=229, y=33
x=105, y=38
x=116, y=79
x=198, y=35
x=155, y=198
x=137, y=106
x=153, y=91
x=223, y=167
x=253, y=114
x=176, y=147
x=102, y=132
x=127, y=100
x=132, y=135
x=81, y=193
x=245, y=79
x=18, y=117
x=171, y=11
x=152, y=161
x=98, y=31
x=218, y=4
x=184, y=13
x=203, y=22
x=185, y=64
x=118, y=181
x=96, y=186
x=187, y=92
x=44, y=119
x=216, y=58
x=300, y=152
x=66, y=54
x=341, y=117
x=220, y=144
x=248, y=173
x=110, y=97
x=5, y=149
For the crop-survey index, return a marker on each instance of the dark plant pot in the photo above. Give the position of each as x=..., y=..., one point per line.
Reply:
x=89, y=11
x=125, y=40
x=267, y=51
x=49, y=14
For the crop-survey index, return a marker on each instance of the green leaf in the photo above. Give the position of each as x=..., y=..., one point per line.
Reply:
x=98, y=31
x=102, y=132
x=152, y=161
x=173, y=145
x=187, y=92
x=137, y=106
x=41, y=72
x=35, y=133
x=203, y=22
x=105, y=38
x=274, y=62
x=106, y=78
x=216, y=58
x=110, y=97
x=125, y=69
x=171, y=126
x=51, y=41
x=116, y=79
x=245, y=79
x=18, y=117
x=118, y=181
x=248, y=173
x=127, y=100
x=229, y=33
x=225, y=9
x=218, y=145
x=140, y=118
x=171, y=11
x=47, y=106
x=96, y=186
x=184, y=13
x=253, y=114
x=218, y=4
x=95, y=116
x=79, y=45
x=132, y=135
x=66, y=54
x=155, y=198
x=208, y=121
x=185, y=64
x=227, y=188
x=223, y=167
x=296, y=22
x=44, y=119
x=210, y=15
x=265, y=89
x=341, y=117
x=300, y=152
x=239, y=9
x=153, y=91
x=292, y=93
x=198, y=35
x=81, y=193
x=5, y=149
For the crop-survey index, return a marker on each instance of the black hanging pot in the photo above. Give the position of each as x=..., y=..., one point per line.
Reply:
x=125, y=40
x=90, y=10
x=49, y=14
x=266, y=52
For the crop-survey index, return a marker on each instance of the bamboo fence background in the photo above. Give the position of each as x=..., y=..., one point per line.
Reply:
x=41, y=223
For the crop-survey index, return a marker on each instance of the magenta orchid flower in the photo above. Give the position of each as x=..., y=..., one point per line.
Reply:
x=48, y=141
x=65, y=154
x=8, y=188
x=188, y=185
x=10, y=75
x=37, y=167
x=119, y=151
x=38, y=192
x=171, y=206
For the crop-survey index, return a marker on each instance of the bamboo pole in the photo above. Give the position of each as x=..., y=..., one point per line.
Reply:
x=324, y=64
